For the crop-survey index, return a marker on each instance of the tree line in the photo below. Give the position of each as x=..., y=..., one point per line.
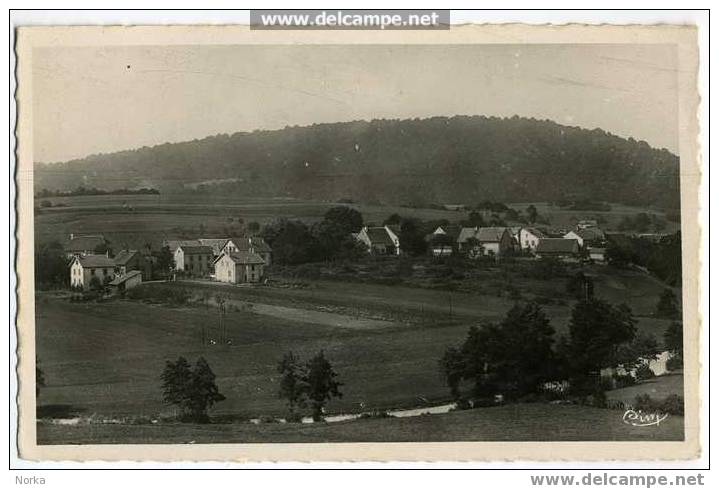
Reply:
x=438, y=159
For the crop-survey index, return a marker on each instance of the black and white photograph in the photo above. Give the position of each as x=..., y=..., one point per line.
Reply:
x=325, y=243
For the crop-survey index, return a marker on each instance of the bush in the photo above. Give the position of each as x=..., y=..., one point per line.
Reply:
x=375, y=415
x=673, y=404
x=675, y=363
x=644, y=372
x=294, y=417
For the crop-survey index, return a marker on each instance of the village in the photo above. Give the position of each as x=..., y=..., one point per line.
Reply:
x=243, y=260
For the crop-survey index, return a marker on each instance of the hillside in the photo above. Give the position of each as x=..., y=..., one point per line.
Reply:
x=458, y=159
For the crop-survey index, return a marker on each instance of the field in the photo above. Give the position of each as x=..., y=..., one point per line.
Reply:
x=135, y=220
x=384, y=340
x=521, y=422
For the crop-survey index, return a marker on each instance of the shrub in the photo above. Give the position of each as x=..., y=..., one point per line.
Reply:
x=643, y=372
x=675, y=363
x=673, y=404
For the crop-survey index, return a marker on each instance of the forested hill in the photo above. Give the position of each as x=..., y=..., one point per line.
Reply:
x=418, y=161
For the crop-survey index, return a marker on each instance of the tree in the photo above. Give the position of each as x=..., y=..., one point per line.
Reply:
x=532, y=214
x=513, y=357
x=291, y=241
x=51, y=266
x=165, y=260
x=596, y=330
x=667, y=306
x=453, y=367
x=580, y=286
x=392, y=220
x=321, y=384
x=349, y=219
x=192, y=390
x=253, y=227
x=411, y=238
x=674, y=338
x=293, y=386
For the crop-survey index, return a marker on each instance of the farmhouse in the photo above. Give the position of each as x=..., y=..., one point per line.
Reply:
x=81, y=245
x=239, y=267
x=126, y=281
x=485, y=241
x=558, y=248
x=173, y=244
x=529, y=238
x=84, y=268
x=129, y=260
x=587, y=236
x=441, y=242
x=195, y=260
x=249, y=244
x=379, y=240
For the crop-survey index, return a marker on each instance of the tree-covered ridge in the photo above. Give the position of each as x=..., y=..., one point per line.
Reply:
x=440, y=159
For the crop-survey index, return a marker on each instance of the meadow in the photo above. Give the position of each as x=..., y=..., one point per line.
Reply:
x=384, y=340
x=518, y=422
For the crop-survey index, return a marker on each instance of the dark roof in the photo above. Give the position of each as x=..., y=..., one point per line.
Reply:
x=125, y=256
x=123, y=278
x=196, y=250
x=84, y=243
x=95, y=261
x=173, y=244
x=379, y=236
x=257, y=244
x=246, y=258
x=557, y=245
x=483, y=235
x=215, y=243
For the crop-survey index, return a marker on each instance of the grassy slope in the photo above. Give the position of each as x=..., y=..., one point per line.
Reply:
x=658, y=388
x=90, y=352
x=523, y=422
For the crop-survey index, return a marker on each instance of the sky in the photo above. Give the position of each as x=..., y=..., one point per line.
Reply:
x=89, y=100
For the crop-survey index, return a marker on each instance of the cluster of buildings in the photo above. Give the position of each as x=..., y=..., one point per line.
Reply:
x=90, y=259
x=586, y=240
x=232, y=260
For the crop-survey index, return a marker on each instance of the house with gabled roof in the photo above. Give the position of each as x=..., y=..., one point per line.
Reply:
x=195, y=260
x=127, y=260
x=591, y=236
x=84, y=267
x=237, y=267
x=477, y=241
x=560, y=248
x=126, y=281
x=249, y=244
x=529, y=238
x=379, y=240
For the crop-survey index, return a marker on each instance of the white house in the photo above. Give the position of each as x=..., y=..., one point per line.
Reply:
x=239, y=267
x=195, y=260
x=379, y=240
x=485, y=241
x=529, y=238
x=586, y=236
x=84, y=268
